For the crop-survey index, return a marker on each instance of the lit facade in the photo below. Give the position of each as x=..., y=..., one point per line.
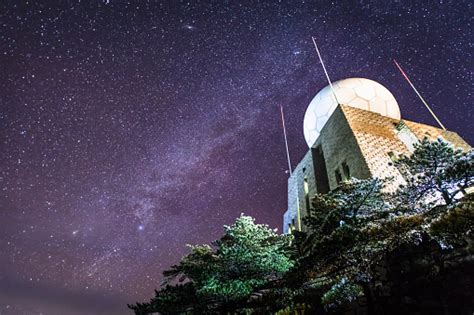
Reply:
x=354, y=143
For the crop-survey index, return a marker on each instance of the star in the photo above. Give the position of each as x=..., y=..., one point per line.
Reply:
x=296, y=52
x=130, y=126
x=189, y=27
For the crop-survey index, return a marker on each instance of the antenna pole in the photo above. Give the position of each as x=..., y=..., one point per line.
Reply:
x=419, y=95
x=325, y=71
x=286, y=140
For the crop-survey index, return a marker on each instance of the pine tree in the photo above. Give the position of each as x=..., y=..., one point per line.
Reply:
x=436, y=174
x=339, y=215
x=248, y=256
x=351, y=231
x=251, y=255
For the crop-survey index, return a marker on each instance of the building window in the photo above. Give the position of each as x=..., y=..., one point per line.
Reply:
x=393, y=157
x=306, y=193
x=305, y=185
x=293, y=225
x=406, y=136
x=320, y=171
x=338, y=176
x=346, y=171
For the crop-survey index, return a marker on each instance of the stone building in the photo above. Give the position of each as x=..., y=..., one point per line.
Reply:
x=359, y=139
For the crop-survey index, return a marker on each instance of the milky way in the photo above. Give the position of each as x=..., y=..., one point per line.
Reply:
x=129, y=130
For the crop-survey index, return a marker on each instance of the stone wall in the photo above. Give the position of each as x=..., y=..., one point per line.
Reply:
x=296, y=192
x=377, y=136
x=339, y=145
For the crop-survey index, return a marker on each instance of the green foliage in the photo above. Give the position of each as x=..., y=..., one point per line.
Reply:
x=197, y=266
x=342, y=292
x=455, y=227
x=229, y=289
x=350, y=231
x=436, y=173
x=350, y=204
x=172, y=299
x=336, y=223
x=353, y=228
x=248, y=256
x=254, y=250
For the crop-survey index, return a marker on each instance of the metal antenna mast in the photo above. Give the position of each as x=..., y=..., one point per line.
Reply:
x=419, y=95
x=286, y=140
x=325, y=71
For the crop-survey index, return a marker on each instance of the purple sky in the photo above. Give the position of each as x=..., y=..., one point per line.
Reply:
x=128, y=130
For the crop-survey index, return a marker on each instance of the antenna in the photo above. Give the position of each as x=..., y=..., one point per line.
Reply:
x=418, y=93
x=325, y=71
x=286, y=140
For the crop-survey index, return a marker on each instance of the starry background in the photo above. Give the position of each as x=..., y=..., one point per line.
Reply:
x=128, y=130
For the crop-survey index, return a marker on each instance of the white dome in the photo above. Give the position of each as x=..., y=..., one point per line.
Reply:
x=356, y=92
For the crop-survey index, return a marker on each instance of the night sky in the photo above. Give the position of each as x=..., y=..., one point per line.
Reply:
x=128, y=130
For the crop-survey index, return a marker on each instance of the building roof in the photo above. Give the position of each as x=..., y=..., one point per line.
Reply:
x=378, y=136
x=372, y=123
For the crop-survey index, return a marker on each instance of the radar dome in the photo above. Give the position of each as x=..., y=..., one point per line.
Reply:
x=356, y=92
